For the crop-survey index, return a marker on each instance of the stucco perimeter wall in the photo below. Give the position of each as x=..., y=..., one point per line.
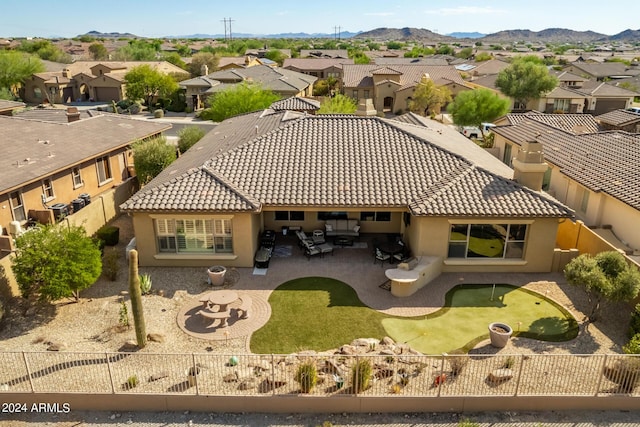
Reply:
x=245, y=230
x=314, y=404
x=430, y=236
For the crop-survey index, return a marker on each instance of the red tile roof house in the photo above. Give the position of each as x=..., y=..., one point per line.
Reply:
x=268, y=169
x=595, y=173
x=43, y=164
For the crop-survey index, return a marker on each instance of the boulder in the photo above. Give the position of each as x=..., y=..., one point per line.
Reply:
x=387, y=341
x=248, y=383
x=158, y=376
x=500, y=375
x=230, y=378
x=155, y=337
x=367, y=342
x=57, y=346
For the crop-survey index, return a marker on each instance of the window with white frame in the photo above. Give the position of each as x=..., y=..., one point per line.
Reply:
x=487, y=241
x=561, y=105
x=77, y=177
x=47, y=189
x=194, y=235
x=17, y=206
x=104, y=169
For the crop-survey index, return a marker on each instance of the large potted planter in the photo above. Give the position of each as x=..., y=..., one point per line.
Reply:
x=499, y=334
x=216, y=275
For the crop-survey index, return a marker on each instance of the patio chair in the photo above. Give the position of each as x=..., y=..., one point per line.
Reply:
x=406, y=253
x=382, y=257
x=311, y=250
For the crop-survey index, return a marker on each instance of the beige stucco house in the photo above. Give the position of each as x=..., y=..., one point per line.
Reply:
x=595, y=173
x=391, y=87
x=413, y=177
x=100, y=81
x=44, y=164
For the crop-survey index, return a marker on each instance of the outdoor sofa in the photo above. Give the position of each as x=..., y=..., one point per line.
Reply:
x=342, y=227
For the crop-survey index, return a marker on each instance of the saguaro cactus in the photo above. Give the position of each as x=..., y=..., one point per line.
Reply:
x=136, y=299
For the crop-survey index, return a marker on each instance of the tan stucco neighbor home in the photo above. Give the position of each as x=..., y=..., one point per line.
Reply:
x=415, y=177
x=595, y=173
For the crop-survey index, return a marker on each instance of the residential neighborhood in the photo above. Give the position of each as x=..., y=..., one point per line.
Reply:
x=394, y=220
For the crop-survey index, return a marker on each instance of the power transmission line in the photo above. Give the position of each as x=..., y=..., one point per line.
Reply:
x=229, y=20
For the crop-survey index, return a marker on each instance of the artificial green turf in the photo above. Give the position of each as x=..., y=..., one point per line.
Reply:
x=468, y=311
x=315, y=313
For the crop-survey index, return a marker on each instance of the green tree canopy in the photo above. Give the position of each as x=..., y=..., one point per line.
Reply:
x=152, y=156
x=606, y=277
x=339, y=104
x=98, y=51
x=175, y=59
x=203, y=58
x=276, y=56
x=188, y=136
x=45, y=50
x=139, y=50
x=427, y=97
x=525, y=80
x=474, y=107
x=242, y=98
x=143, y=82
x=54, y=262
x=16, y=67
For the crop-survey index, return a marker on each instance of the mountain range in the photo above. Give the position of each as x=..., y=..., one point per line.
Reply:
x=554, y=35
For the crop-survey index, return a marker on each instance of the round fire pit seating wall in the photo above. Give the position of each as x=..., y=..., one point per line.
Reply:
x=499, y=333
x=216, y=275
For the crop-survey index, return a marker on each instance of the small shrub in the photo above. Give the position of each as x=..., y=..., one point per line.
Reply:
x=110, y=266
x=633, y=346
x=132, y=382
x=158, y=114
x=109, y=234
x=188, y=137
x=145, y=283
x=124, y=315
x=457, y=362
x=625, y=373
x=307, y=376
x=361, y=375
x=509, y=362
x=396, y=389
x=468, y=423
x=634, y=326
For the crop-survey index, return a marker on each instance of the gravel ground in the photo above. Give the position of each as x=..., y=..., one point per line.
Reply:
x=173, y=419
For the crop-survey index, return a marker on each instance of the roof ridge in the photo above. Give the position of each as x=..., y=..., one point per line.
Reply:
x=220, y=178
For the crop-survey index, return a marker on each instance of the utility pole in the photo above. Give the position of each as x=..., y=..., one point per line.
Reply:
x=229, y=20
x=336, y=32
x=225, y=29
x=230, y=33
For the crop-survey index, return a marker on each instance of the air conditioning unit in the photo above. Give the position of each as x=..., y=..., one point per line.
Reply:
x=15, y=229
x=60, y=210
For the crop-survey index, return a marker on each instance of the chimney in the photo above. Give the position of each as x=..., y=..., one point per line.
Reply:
x=204, y=70
x=529, y=165
x=73, y=115
x=366, y=108
x=66, y=73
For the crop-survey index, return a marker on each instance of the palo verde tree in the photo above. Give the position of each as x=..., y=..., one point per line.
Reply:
x=188, y=136
x=15, y=68
x=474, y=107
x=241, y=98
x=339, y=104
x=54, y=262
x=427, y=97
x=525, y=79
x=606, y=277
x=143, y=82
x=151, y=156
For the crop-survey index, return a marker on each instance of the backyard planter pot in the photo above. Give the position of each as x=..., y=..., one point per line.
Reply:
x=499, y=334
x=216, y=275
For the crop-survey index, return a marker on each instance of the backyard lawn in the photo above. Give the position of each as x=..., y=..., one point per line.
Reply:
x=316, y=313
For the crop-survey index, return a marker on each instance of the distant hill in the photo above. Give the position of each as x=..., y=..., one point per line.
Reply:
x=557, y=35
x=626, y=35
x=474, y=35
x=402, y=34
x=98, y=34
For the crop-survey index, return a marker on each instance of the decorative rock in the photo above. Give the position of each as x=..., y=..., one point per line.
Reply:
x=332, y=367
x=158, y=376
x=247, y=383
x=387, y=341
x=57, y=346
x=500, y=375
x=387, y=352
x=367, y=342
x=230, y=378
x=348, y=349
x=307, y=353
x=155, y=337
x=384, y=373
x=402, y=348
x=129, y=345
x=31, y=311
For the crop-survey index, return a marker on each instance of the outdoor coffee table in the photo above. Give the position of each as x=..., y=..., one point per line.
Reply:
x=343, y=241
x=220, y=298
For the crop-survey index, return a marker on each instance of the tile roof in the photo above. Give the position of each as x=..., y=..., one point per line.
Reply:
x=31, y=150
x=360, y=75
x=58, y=115
x=315, y=63
x=606, y=162
x=409, y=61
x=340, y=161
x=10, y=105
x=571, y=123
x=324, y=53
x=296, y=103
x=599, y=70
x=274, y=78
x=619, y=117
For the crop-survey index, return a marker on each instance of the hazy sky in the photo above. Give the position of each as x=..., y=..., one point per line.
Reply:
x=163, y=17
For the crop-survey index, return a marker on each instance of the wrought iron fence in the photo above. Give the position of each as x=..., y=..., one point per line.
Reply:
x=320, y=375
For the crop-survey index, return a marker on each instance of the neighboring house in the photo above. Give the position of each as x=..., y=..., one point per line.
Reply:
x=266, y=170
x=602, y=71
x=229, y=62
x=260, y=53
x=43, y=164
x=285, y=83
x=324, y=53
x=321, y=68
x=483, y=68
x=595, y=173
x=296, y=103
x=628, y=121
x=391, y=87
x=7, y=108
x=100, y=81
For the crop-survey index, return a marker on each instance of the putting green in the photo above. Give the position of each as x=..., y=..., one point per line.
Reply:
x=468, y=311
x=317, y=313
